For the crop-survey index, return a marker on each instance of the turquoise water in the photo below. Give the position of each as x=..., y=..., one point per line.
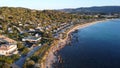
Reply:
x=96, y=46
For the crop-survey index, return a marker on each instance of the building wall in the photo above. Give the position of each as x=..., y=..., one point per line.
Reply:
x=12, y=48
x=2, y=52
x=31, y=39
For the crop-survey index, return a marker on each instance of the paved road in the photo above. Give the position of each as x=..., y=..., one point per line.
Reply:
x=22, y=60
x=33, y=51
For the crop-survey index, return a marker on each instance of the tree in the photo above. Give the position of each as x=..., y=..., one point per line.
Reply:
x=25, y=51
x=29, y=64
x=15, y=57
x=5, y=65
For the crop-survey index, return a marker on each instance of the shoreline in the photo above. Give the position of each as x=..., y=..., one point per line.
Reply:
x=50, y=56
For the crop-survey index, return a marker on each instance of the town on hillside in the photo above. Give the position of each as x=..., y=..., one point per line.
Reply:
x=26, y=35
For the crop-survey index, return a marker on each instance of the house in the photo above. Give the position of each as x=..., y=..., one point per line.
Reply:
x=31, y=39
x=7, y=46
x=10, y=30
x=31, y=29
x=39, y=28
x=20, y=24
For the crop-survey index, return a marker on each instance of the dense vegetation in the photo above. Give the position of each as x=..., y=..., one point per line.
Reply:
x=45, y=17
x=5, y=61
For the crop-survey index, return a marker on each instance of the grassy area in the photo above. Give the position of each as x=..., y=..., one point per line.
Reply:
x=4, y=60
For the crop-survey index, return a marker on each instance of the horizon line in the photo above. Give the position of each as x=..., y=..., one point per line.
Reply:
x=59, y=8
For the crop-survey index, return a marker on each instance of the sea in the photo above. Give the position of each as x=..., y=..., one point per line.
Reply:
x=96, y=46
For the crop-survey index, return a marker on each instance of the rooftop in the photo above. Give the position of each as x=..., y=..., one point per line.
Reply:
x=6, y=39
x=32, y=37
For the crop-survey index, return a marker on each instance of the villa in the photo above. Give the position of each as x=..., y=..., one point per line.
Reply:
x=31, y=39
x=7, y=46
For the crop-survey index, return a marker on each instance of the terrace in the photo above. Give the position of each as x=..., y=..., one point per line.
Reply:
x=31, y=39
x=7, y=46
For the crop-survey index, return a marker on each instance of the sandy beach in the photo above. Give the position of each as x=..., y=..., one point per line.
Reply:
x=50, y=57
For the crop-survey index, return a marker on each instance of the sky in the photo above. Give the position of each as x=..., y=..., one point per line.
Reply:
x=57, y=4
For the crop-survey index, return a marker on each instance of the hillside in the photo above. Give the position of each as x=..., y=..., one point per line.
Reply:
x=14, y=21
x=19, y=23
x=15, y=15
x=10, y=16
x=102, y=9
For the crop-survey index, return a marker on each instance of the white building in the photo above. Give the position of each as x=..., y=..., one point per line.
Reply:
x=31, y=39
x=7, y=46
x=8, y=49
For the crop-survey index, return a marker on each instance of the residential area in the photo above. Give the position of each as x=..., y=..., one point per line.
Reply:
x=25, y=39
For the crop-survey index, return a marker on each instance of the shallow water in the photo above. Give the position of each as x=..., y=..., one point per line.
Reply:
x=96, y=46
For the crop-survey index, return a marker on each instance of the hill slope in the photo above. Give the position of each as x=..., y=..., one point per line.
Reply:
x=102, y=9
x=11, y=14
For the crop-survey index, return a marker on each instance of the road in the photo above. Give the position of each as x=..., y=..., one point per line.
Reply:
x=22, y=60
